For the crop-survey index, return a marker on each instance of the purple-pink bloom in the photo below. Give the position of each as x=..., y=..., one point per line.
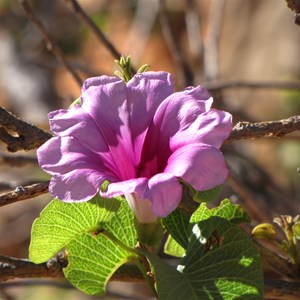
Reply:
x=141, y=136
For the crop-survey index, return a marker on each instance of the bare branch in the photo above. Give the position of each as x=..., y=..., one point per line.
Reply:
x=79, y=12
x=278, y=264
x=279, y=289
x=211, y=67
x=222, y=85
x=22, y=193
x=185, y=76
x=246, y=130
x=294, y=5
x=51, y=44
x=17, y=161
x=29, y=136
x=11, y=268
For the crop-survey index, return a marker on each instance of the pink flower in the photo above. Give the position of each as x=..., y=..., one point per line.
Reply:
x=141, y=137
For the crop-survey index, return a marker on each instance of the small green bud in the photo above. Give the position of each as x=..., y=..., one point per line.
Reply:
x=296, y=230
x=77, y=102
x=143, y=68
x=264, y=231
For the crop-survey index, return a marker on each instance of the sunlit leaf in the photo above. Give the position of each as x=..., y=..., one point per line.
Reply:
x=221, y=262
x=226, y=210
x=94, y=258
x=60, y=223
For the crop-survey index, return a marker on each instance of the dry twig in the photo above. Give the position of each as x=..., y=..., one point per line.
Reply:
x=211, y=67
x=24, y=192
x=51, y=44
x=246, y=130
x=279, y=289
x=28, y=136
x=294, y=5
x=12, y=268
x=80, y=13
x=222, y=85
x=17, y=161
x=185, y=75
x=278, y=264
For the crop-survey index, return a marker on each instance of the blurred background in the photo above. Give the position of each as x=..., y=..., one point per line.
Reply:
x=207, y=42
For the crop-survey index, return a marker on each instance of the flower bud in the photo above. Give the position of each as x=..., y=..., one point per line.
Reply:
x=264, y=231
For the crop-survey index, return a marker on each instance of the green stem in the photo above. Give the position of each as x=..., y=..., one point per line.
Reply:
x=117, y=241
x=141, y=261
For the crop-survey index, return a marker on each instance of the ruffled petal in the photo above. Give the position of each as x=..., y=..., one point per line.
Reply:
x=145, y=92
x=123, y=112
x=137, y=185
x=79, y=124
x=164, y=191
x=142, y=208
x=183, y=118
x=61, y=155
x=202, y=166
x=133, y=190
x=78, y=185
x=211, y=127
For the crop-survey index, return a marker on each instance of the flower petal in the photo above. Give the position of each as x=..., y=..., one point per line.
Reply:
x=123, y=112
x=183, y=118
x=133, y=190
x=79, y=124
x=164, y=191
x=137, y=185
x=61, y=155
x=142, y=208
x=202, y=166
x=78, y=185
x=146, y=91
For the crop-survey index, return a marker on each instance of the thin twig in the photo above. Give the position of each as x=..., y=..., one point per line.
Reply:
x=279, y=289
x=185, y=75
x=80, y=13
x=17, y=161
x=211, y=67
x=193, y=30
x=222, y=85
x=28, y=136
x=294, y=5
x=141, y=27
x=278, y=264
x=254, y=208
x=51, y=44
x=11, y=268
x=247, y=130
x=24, y=192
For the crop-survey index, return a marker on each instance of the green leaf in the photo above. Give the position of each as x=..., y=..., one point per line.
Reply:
x=226, y=210
x=208, y=195
x=177, y=224
x=171, y=284
x=221, y=262
x=172, y=248
x=94, y=259
x=60, y=223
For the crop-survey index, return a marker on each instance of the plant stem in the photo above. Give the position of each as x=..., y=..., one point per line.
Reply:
x=141, y=261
